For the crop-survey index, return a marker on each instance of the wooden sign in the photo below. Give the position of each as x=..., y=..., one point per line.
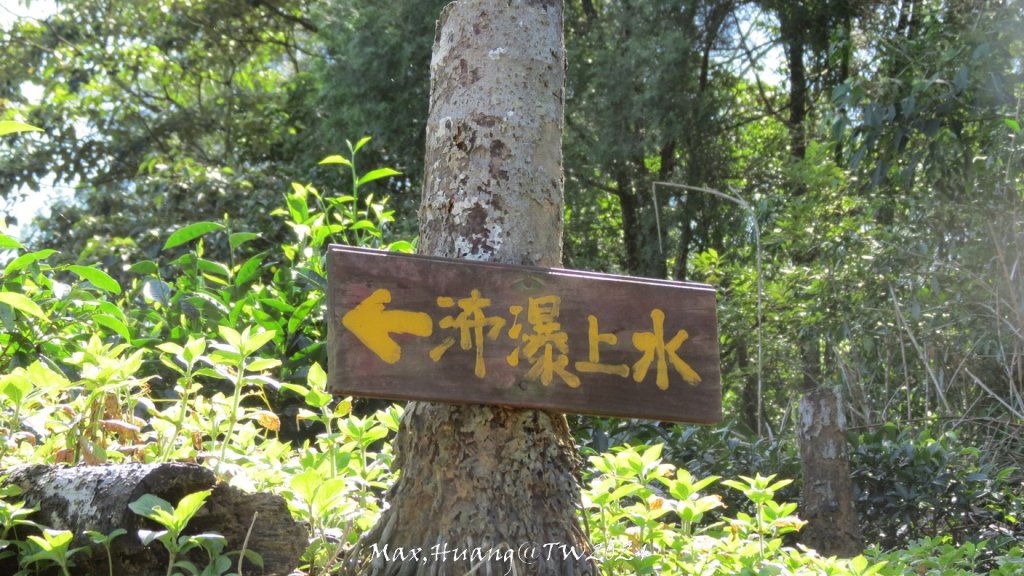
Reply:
x=423, y=328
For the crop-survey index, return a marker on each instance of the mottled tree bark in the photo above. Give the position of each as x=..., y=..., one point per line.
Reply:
x=487, y=487
x=832, y=527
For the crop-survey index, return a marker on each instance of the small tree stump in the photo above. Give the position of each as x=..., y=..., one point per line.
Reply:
x=832, y=528
x=96, y=498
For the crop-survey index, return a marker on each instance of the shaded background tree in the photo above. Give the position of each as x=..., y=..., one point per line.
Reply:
x=158, y=112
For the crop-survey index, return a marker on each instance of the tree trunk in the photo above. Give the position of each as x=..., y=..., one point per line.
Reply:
x=631, y=232
x=832, y=524
x=488, y=487
x=96, y=498
x=832, y=527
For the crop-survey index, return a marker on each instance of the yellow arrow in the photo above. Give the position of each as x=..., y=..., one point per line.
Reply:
x=373, y=325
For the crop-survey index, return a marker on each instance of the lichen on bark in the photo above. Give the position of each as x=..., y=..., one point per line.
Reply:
x=828, y=506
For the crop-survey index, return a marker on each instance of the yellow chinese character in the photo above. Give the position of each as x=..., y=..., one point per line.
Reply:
x=471, y=323
x=653, y=345
x=546, y=348
x=595, y=339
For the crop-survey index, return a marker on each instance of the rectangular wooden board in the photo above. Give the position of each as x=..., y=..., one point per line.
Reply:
x=422, y=328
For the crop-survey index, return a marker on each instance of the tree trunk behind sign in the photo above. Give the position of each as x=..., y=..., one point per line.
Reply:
x=480, y=480
x=832, y=528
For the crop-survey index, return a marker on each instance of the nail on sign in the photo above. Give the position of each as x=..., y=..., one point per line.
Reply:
x=422, y=328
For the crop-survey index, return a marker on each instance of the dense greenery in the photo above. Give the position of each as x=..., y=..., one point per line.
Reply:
x=96, y=371
x=877, y=146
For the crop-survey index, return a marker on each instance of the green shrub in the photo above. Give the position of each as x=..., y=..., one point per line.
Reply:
x=911, y=486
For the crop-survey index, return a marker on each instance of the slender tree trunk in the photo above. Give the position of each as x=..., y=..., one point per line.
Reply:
x=631, y=232
x=685, y=237
x=487, y=487
x=748, y=394
x=832, y=524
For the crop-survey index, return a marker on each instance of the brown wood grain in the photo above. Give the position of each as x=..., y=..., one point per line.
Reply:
x=547, y=337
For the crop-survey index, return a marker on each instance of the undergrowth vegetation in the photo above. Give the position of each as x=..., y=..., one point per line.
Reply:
x=214, y=352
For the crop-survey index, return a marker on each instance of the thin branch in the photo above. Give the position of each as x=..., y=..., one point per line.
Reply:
x=277, y=11
x=920, y=351
x=994, y=396
x=753, y=68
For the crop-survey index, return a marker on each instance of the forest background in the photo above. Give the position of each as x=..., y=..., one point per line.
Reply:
x=871, y=243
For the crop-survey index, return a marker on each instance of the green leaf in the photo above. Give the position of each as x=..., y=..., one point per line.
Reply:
x=186, y=565
x=97, y=278
x=652, y=454
x=153, y=507
x=12, y=126
x=626, y=490
x=145, y=267
x=215, y=268
x=328, y=496
x=253, y=557
x=23, y=304
x=298, y=209
x=305, y=484
x=104, y=539
x=148, y=536
x=58, y=538
x=114, y=324
x=316, y=377
x=377, y=175
x=1013, y=124
x=344, y=408
x=318, y=399
x=15, y=386
x=188, y=506
x=961, y=79
x=256, y=341
x=231, y=336
x=363, y=225
x=336, y=159
x=214, y=373
x=190, y=233
x=170, y=348
x=403, y=246
x=236, y=239
x=277, y=305
x=26, y=260
x=301, y=313
x=261, y=364
x=156, y=290
x=10, y=243
x=250, y=270
x=194, y=348
x=362, y=142
x=297, y=389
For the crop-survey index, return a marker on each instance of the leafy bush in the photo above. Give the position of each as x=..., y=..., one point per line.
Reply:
x=910, y=486
x=648, y=517
x=939, y=556
x=189, y=358
x=722, y=451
